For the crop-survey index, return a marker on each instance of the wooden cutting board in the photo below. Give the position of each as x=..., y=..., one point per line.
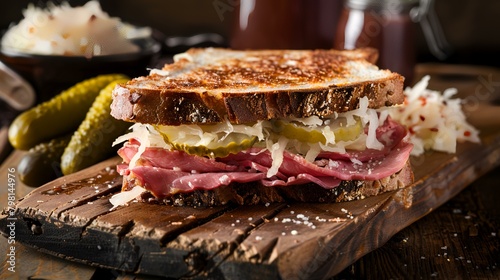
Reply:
x=71, y=218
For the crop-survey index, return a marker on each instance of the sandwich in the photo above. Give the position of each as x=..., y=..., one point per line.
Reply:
x=219, y=126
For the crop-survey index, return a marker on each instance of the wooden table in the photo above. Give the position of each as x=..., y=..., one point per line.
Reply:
x=458, y=240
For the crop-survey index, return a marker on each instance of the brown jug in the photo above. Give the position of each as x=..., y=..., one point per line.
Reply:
x=390, y=27
x=284, y=24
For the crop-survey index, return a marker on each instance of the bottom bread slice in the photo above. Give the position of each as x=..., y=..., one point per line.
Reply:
x=254, y=193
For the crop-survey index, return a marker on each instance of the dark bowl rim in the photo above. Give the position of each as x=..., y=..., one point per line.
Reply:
x=148, y=46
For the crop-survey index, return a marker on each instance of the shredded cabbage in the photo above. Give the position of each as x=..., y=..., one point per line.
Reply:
x=434, y=120
x=277, y=149
x=372, y=141
x=72, y=31
x=125, y=197
x=147, y=137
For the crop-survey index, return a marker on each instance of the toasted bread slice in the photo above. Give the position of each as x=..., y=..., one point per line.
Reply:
x=207, y=85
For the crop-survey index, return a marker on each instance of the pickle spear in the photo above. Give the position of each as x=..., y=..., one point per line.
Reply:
x=92, y=141
x=57, y=116
x=42, y=163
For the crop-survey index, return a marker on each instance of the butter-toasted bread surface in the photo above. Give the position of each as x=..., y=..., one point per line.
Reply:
x=208, y=85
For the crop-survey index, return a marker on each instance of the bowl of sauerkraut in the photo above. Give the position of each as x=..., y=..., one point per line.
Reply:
x=56, y=46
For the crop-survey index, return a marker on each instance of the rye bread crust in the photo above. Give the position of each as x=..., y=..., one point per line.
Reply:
x=255, y=193
x=173, y=108
x=194, y=94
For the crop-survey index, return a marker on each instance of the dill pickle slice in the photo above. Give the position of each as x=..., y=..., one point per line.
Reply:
x=293, y=131
x=201, y=142
x=314, y=135
x=348, y=133
x=219, y=149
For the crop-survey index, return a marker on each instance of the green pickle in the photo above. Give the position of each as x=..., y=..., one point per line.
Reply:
x=306, y=135
x=293, y=131
x=219, y=149
x=92, y=141
x=42, y=163
x=348, y=133
x=231, y=144
x=58, y=116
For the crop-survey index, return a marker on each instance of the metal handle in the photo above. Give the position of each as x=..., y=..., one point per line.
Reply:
x=434, y=35
x=197, y=39
x=15, y=90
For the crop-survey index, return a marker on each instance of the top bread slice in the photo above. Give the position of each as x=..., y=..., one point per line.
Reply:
x=208, y=85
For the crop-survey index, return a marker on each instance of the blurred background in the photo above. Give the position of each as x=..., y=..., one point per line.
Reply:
x=470, y=27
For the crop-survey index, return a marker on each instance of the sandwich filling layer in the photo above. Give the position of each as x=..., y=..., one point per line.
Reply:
x=363, y=144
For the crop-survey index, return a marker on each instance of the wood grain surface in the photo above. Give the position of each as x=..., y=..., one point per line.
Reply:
x=287, y=241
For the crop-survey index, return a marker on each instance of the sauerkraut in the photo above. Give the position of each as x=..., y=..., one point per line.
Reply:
x=435, y=120
x=72, y=31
